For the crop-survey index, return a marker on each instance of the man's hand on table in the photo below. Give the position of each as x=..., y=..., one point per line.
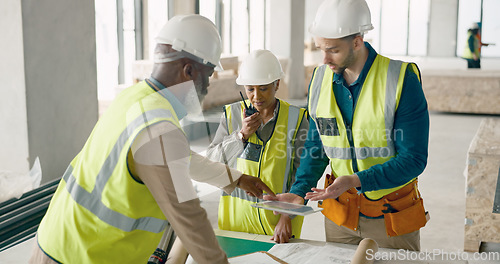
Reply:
x=283, y=230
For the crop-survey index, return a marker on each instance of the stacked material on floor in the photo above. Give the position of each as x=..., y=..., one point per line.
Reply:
x=462, y=91
x=482, y=205
x=19, y=218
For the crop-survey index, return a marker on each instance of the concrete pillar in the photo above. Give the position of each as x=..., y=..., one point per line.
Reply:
x=183, y=7
x=48, y=103
x=13, y=120
x=286, y=39
x=443, y=19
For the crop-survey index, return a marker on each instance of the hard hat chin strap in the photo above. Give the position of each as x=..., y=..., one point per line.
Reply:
x=168, y=57
x=176, y=55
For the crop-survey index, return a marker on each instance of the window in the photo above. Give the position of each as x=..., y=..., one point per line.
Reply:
x=400, y=27
x=491, y=28
x=240, y=27
x=469, y=11
x=126, y=41
x=120, y=39
x=157, y=17
x=257, y=10
x=373, y=36
x=394, y=27
x=418, y=27
x=240, y=22
x=106, y=49
x=485, y=12
x=208, y=9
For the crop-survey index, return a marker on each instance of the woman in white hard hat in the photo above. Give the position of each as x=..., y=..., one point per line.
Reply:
x=371, y=125
x=266, y=144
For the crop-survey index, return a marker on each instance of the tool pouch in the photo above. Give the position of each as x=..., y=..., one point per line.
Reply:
x=409, y=214
x=343, y=211
x=407, y=220
x=342, y=214
x=334, y=211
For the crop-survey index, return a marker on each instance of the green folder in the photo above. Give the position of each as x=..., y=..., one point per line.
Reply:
x=236, y=247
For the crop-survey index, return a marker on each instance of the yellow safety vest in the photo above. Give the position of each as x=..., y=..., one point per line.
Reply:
x=99, y=212
x=467, y=54
x=272, y=162
x=373, y=119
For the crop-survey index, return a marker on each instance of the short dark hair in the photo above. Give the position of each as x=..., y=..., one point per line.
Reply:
x=351, y=37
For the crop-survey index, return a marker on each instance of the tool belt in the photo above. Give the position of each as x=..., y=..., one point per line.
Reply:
x=403, y=209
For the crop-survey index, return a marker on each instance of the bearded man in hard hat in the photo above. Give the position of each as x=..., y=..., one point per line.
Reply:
x=266, y=144
x=369, y=122
x=131, y=179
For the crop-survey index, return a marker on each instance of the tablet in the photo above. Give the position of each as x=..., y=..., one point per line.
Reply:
x=287, y=208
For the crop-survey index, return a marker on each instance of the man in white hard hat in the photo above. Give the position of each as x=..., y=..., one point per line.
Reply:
x=132, y=177
x=265, y=143
x=472, y=50
x=369, y=121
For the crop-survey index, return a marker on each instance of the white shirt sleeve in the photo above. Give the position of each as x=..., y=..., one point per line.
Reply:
x=165, y=144
x=225, y=147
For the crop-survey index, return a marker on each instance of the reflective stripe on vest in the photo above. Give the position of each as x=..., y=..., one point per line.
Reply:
x=389, y=111
x=234, y=122
x=293, y=118
x=92, y=201
x=235, y=117
x=272, y=162
x=241, y=194
x=99, y=208
x=372, y=132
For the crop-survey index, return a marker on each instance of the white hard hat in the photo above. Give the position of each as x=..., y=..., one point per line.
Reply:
x=260, y=67
x=341, y=18
x=194, y=34
x=474, y=25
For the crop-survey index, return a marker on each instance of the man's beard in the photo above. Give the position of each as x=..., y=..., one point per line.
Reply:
x=188, y=96
x=349, y=60
x=194, y=99
x=200, y=90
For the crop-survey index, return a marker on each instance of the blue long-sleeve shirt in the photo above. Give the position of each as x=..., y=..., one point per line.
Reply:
x=411, y=142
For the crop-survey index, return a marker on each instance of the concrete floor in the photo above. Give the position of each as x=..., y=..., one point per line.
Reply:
x=442, y=184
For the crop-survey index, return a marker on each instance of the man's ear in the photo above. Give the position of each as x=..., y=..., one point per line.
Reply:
x=358, y=42
x=277, y=85
x=188, y=70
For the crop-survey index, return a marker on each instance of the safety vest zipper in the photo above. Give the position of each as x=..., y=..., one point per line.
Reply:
x=260, y=163
x=351, y=147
